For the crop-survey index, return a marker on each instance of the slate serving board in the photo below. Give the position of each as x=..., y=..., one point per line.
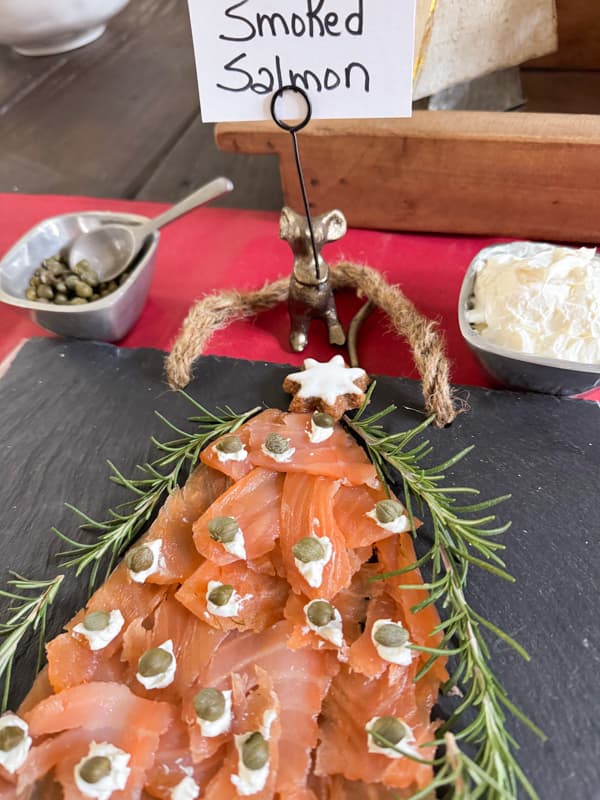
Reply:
x=65, y=407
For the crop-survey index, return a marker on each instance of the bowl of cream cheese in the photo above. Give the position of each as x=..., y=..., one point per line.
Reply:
x=530, y=312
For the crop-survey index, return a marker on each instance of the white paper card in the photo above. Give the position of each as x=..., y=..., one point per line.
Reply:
x=354, y=58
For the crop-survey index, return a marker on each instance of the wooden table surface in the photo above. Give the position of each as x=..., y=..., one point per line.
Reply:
x=120, y=117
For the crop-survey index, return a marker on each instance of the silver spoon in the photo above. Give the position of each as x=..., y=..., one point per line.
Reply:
x=109, y=250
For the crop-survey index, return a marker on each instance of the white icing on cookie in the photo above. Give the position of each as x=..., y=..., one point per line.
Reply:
x=328, y=380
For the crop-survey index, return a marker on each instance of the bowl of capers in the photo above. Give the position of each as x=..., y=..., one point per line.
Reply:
x=35, y=277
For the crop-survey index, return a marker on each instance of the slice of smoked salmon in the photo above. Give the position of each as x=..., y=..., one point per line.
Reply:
x=173, y=525
x=71, y=663
x=260, y=598
x=344, y=743
x=302, y=635
x=255, y=709
x=194, y=643
x=254, y=502
x=353, y=602
x=306, y=511
x=234, y=469
x=350, y=508
x=399, y=553
x=340, y=457
x=300, y=677
x=336, y=787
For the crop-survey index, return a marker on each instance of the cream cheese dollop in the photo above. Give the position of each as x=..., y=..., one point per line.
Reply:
x=406, y=746
x=217, y=727
x=187, y=789
x=250, y=781
x=241, y=455
x=398, y=525
x=155, y=546
x=316, y=434
x=312, y=571
x=395, y=655
x=13, y=759
x=98, y=640
x=115, y=781
x=237, y=547
x=281, y=458
x=163, y=679
x=230, y=609
x=332, y=631
x=539, y=299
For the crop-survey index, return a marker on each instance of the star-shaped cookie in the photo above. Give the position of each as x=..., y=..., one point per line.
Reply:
x=331, y=387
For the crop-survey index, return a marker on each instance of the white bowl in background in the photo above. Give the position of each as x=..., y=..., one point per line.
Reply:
x=44, y=27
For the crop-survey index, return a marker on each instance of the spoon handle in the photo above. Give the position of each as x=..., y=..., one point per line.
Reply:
x=203, y=195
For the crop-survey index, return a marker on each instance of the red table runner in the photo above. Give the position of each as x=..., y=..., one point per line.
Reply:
x=221, y=248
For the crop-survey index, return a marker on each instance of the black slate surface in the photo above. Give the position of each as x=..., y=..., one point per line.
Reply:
x=65, y=407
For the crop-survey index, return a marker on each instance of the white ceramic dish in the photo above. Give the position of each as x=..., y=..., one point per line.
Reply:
x=45, y=27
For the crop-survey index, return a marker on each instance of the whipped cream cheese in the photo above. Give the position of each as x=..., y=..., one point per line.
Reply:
x=241, y=455
x=395, y=655
x=115, y=781
x=156, y=548
x=237, y=546
x=163, y=679
x=316, y=434
x=332, y=631
x=539, y=299
x=398, y=525
x=281, y=458
x=250, y=781
x=312, y=571
x=230, y=609
x=406, y=746
x=187, y=789
x=13, y=759
x=217, y=727
x=98, y=640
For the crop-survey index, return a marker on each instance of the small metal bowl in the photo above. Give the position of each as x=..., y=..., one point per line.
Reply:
x=511, y=367
x=107, y=319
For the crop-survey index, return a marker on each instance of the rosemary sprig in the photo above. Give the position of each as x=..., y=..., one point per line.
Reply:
x=30, y=601
x=158, y=477
x=460, y=540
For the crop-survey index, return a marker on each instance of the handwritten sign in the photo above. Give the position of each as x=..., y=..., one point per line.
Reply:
x=354, y=58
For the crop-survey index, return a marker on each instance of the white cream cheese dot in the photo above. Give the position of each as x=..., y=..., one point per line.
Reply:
x=187, y=789
x=316, y=434
x=398, y=525
x=332, y=631
x=14, y=758
x=163, y=679
x=155, y=547
x=281, y=458
x=395, y=655
x=241, y=455
x=237, y=547
x=405, y=747
x=115, y=781
x=312, y=571
x=217, y=727
x=230, y=609
x=98, y=640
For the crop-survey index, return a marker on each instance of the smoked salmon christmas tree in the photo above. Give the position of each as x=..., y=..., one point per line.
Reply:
x=270, y=636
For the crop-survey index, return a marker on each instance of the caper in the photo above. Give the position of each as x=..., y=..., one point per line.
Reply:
x=154, y=662
x=308, y=549
x=78, y=301
x=37, y=273
x=35, y=281
x=10, y=737
x=221, y=595
x=230, y=444
x=96, y=621
x=255, y=751
x=391, y=635
x=223, y=529
x=45, y=278
x=95, y=296
x=60, y=286
x=91, y=278
x=46, y=292
x=322, y=420
x=43, y=300
x=31, y=294
x=83, y=290
x=80, y=268
x=112, y=286
x=95, y=768
x=388, y=511
x=61, y=300
x=71, y=281
x=389, y=729
x=140, y=559
x=277, y=444
x=56, y=269
x=209, y=704
x=320, y=613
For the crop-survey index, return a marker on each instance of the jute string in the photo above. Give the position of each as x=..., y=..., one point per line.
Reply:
x=216, y=311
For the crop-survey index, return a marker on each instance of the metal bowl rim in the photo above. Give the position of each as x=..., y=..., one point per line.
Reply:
x=478, y=342
x=97, y=305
